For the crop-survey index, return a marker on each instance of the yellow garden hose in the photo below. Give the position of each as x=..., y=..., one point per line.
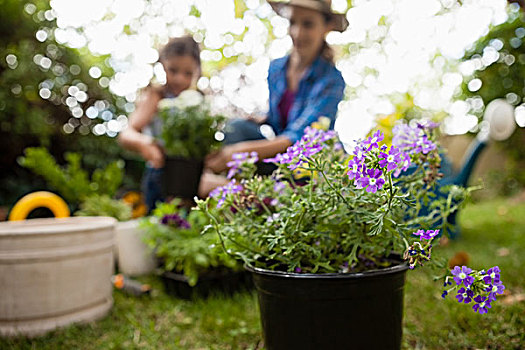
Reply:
x=40, y=199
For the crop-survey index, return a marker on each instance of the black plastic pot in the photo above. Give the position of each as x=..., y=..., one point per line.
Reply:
x=181, y=177
x=219, y=281
x=331, y=311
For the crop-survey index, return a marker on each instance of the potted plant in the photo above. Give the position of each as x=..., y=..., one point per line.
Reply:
x=192, y=263
x=329, y=256
x=187, y=136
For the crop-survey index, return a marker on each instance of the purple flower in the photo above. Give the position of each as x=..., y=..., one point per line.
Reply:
x=390, y=160
x=427, y=124
x=429, y=234
x=297, y=155
x=279, y=187
x=371, y=180
x=412, y=139
x=230, y=188
x=238, y=159
x=444, y=294
x=482, y=304
x=298, y=270
x=493, y=290
x=175, y=220
x=355, y=167
x=464, y=295
x=403, y=164
x=461, y=274
x=424, y=145
x=492, y=276
x=372, y=141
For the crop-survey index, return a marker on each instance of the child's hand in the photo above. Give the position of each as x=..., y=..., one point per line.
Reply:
x=152, y=153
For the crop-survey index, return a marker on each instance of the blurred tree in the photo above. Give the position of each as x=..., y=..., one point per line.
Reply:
x=47, y=96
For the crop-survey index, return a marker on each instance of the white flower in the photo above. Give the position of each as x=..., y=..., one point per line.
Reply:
x=190, y=98
x=187, y=98
x=167, y=103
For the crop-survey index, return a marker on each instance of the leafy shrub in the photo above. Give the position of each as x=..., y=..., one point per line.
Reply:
x=103, y=205
x=72, y=181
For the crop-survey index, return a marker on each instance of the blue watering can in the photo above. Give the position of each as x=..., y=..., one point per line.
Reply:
x=498, y=124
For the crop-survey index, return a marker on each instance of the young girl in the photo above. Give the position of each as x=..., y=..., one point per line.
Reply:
x=180, y=58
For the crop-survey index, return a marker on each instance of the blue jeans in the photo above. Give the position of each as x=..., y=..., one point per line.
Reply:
x=239, y=130
x=152, y=187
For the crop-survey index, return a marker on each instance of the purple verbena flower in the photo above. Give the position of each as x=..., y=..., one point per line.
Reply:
x=371, y=180
x=424, y=145
x=492, y=276
x=279, y=187
x=230, y=188
x=412, y=139
x=461, y=274
x=493, y=290
x=372, y=141
x=482, y=304
x=427, y=124
x=355, y=168
x=390, y=160
x=464, y=295
x=403, y=164
x=296, y=155
x=238, y=159
x=429, y=234
x=175, y=220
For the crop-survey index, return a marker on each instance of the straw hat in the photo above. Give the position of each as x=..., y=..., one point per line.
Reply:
x=324, y=6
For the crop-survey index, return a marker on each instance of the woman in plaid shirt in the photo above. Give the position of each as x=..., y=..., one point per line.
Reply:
x=304, y=86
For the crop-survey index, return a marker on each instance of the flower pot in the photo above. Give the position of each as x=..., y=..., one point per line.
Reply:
x=331, y=311
x=222, y=281
x=181, y=177
x=54, y=272
x=133, y=256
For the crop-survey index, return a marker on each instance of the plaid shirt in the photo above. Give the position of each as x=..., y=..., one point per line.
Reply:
x=320, y=91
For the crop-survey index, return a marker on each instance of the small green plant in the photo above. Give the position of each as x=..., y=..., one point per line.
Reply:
x=72, y=181
x=176, y=236
x=103, y=205
x=189, y=127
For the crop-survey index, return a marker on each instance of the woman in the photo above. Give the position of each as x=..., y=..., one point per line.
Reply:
x=304, y=85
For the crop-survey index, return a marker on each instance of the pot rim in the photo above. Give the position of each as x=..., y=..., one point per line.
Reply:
x=47, y=226
x=401, y=267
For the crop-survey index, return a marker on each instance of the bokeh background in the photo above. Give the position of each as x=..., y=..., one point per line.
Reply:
x=71, y=70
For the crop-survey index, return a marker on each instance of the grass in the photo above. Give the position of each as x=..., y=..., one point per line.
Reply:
x=493, y=233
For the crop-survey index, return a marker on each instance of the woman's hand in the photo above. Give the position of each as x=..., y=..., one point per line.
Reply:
x=217, y=161
x=152, y=153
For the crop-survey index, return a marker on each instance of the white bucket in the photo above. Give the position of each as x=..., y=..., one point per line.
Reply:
x=134, y=257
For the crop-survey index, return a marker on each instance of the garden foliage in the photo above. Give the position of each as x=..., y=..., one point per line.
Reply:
x=176, y=236
x=188, y=126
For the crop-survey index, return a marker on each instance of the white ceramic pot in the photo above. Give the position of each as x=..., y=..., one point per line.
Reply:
x=133, y=256
x=54, y=272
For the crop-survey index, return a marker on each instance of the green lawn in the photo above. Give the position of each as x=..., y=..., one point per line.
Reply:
x=163, y=322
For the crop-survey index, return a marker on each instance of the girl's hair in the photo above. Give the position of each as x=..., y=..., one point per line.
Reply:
x=326, y=51
x=181, y=46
